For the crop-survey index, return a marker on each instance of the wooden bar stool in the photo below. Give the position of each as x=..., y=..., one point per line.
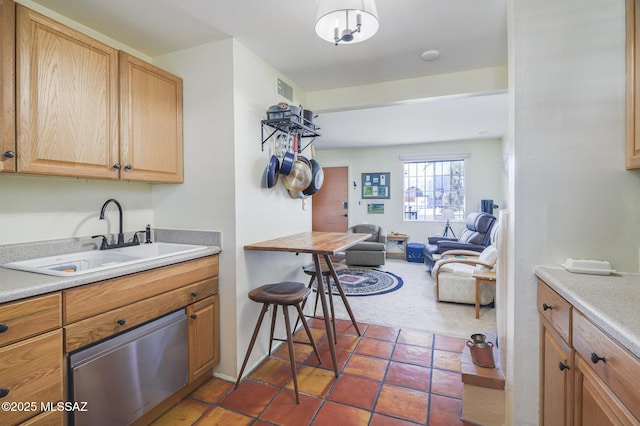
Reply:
x=326, y=273
x=280, y=294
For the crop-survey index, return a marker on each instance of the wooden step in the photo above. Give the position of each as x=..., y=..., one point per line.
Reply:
x=483, y=396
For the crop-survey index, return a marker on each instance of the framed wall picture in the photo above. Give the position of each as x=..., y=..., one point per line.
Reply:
x=376, y=185
x=375, y=207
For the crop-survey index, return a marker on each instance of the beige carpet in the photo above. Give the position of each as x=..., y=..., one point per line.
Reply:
x=414, y=307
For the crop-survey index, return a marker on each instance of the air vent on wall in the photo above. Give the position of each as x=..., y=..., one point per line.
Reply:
x=285, y=90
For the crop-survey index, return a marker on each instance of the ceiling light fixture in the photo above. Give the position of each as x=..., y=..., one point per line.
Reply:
x=348, y=21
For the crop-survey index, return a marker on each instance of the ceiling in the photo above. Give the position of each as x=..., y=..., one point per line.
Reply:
x=469, y=34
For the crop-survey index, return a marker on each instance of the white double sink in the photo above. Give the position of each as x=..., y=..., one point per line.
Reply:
x=86, y=262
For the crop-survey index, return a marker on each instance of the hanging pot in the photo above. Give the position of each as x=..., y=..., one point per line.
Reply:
x=272, y=171
x=317, y=178
x=287, y=163
x=300, y=176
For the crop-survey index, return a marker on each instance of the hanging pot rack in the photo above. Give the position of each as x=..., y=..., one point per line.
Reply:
x=290, y=125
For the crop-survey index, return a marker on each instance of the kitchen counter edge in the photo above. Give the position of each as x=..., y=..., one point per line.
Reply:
x=609, y=301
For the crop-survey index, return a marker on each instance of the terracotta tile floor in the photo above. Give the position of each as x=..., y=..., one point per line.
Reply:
x=387, y=377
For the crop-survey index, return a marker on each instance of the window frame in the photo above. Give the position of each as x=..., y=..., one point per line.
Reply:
x=408, y=215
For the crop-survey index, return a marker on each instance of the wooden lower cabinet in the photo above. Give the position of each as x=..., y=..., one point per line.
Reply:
x=595, y=404
x=31, y=372
x=204, y=349
x=34, y=339
x=49, y=418
x=586, y=378
x=556, y=378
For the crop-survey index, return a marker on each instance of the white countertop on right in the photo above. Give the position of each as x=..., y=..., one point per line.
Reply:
x=610, y=301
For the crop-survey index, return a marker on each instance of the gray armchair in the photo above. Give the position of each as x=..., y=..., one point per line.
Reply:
x=370, y=252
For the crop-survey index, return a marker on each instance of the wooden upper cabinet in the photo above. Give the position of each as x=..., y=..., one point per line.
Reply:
x=7, y=87
x=633, y=90
x=150, y=122
x=67, y=100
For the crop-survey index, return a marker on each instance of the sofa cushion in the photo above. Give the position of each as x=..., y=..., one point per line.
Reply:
x=367, y=228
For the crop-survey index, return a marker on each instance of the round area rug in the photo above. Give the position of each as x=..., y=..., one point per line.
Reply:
x=365, y=282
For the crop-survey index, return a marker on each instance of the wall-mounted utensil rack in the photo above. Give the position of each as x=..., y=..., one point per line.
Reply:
x=289, y=125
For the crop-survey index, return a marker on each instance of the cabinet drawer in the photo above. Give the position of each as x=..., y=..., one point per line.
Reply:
x=91, y=330
x=555, y=310
x=93, y=299
x=50, y=418
x=32, y=371
x=620, y=370
x=30, y=317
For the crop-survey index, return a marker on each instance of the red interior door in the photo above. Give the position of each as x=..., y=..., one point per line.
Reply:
x=329, y=206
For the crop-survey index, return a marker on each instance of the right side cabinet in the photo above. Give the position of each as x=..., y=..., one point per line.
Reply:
x=150, y=122
x=587, y=378
x=204, y=352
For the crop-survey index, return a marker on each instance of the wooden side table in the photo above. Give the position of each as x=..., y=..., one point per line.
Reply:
x=482, y=278
x=398, y=245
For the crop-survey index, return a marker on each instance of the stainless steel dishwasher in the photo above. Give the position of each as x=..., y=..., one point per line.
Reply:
x=123, y=377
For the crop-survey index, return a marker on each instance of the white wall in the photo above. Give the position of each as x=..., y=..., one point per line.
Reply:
x=38, y=208
x=572, y=194
x=261, y=213
x=206, y=199
x=227, y=89
x=484, y=180
x=485, y=80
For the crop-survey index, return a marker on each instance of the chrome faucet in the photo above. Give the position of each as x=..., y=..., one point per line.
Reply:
x=104, y=207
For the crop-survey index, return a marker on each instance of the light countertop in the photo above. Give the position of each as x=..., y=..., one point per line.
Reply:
x=15, y=285
x=609, y=301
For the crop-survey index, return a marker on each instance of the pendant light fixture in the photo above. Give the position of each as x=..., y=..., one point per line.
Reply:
x=346, y=21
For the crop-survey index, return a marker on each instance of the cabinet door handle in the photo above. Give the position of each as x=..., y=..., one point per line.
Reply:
x=562, y=366
x=4, y=392
x=545, y=307
x=4, y=327
x=116, y=166
x=194, y=316
x=595, y=358
x=128, y=167
x=9, y=154
x=194, y=294
x=122, y=321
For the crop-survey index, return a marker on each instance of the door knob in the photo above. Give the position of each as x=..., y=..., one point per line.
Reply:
x=9, y=154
